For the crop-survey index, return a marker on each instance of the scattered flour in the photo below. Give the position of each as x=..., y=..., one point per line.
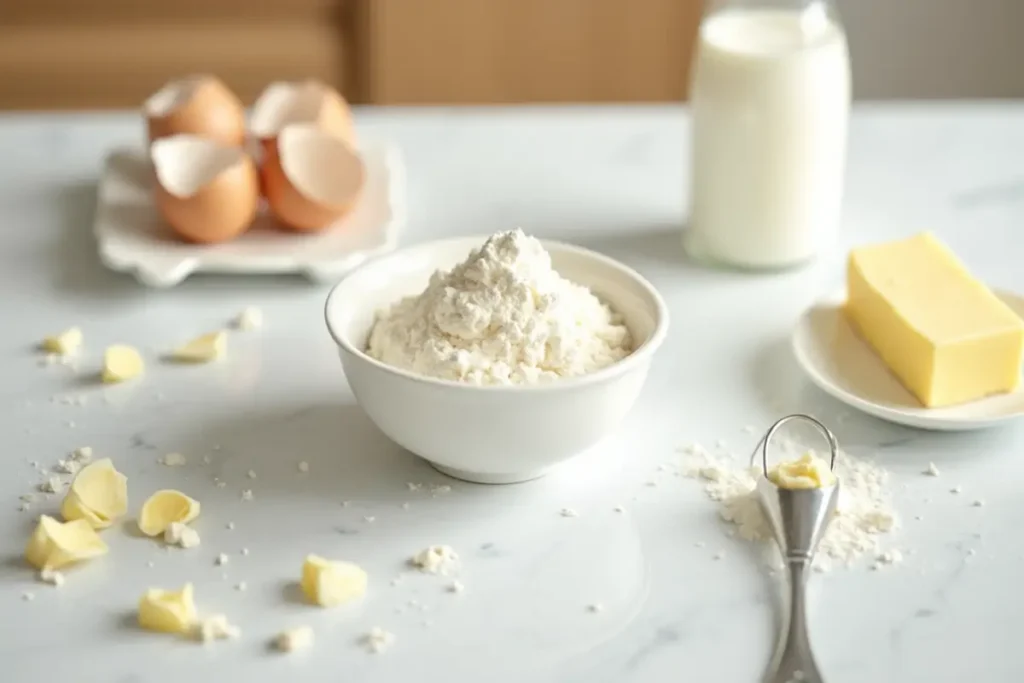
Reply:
x=298, y=638
x=181, y=535
x=863, y=513
x=173, y=460
x=436, y=559
x=250, y=318
x=216, y=627
x=378, y=640
x=503, y=316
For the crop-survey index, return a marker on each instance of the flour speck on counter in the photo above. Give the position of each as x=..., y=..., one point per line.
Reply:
x=503, y=316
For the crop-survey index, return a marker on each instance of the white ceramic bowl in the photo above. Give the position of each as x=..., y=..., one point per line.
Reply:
x=492, y=434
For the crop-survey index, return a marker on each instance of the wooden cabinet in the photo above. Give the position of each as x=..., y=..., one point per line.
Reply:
x=468, y=51
x=61, y=54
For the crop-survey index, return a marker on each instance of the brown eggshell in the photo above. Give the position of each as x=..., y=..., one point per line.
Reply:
x=312, y=178
x=286, y=103
x=207, y=192
x=197, y=105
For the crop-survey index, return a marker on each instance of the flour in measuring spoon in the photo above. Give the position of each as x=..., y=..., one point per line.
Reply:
x=502, y=316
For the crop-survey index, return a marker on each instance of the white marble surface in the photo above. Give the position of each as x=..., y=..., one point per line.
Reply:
x=611, y=179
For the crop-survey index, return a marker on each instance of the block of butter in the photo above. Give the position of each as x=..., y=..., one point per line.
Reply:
x=328, y=583
x=940, y=331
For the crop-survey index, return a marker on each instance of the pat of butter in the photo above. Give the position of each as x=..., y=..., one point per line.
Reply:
x=328, y=583
x=121, y=363
x=202, y=349
x=940, y=331
x=168, y=611
x=65, y=343
x=806, y=472
x=98, y=495
x=164, y=508
x=54, y=544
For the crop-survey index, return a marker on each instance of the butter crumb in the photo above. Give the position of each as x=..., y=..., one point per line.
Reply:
x=932, y=470
x=221, y=559
x=806, y=472
x=299, y=638
x=64, y=344
x=247, y=494
x=304, y=467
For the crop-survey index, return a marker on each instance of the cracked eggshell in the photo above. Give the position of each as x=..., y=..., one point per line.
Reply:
x=206, y=191
x=312, y=178
x=197, y=105
x=285, y=103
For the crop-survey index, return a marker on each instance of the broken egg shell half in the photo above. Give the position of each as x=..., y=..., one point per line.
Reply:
x=207, y=192
x=196, y=105
x=312, y=178
x=287, y=103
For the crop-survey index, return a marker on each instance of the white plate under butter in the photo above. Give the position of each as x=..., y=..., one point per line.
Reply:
x=843, y=365
x=133, y=238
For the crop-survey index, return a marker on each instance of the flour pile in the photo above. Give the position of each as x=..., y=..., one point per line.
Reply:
x=863, y=513
x=503, y=316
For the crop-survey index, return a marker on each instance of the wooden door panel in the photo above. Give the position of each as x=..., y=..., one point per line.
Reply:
x=525, y=50
x=107, y=12
x=92, y=66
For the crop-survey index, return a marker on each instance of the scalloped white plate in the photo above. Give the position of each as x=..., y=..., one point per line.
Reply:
x=843, y=365
x=133, y=238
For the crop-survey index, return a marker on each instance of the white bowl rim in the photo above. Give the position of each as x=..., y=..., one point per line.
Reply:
x=636, y=357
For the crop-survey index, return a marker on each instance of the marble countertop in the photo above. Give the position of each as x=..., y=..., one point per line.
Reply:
x=612, y=179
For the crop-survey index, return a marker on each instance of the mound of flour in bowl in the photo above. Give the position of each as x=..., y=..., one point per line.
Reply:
x=502, y=316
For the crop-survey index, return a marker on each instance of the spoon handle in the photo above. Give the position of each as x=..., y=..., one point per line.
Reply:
x=793, y=661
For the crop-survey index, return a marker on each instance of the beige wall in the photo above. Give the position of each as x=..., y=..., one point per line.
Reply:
x=935, y=48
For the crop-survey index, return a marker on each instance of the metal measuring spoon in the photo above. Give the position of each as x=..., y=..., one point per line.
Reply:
x=798, y=519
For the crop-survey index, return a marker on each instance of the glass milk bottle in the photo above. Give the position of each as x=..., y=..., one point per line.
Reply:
x=770, y=99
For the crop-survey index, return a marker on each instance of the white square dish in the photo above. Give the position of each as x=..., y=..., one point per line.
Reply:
x=133, y=238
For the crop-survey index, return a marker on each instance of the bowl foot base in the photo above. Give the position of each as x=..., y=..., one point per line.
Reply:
x=490, y=477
